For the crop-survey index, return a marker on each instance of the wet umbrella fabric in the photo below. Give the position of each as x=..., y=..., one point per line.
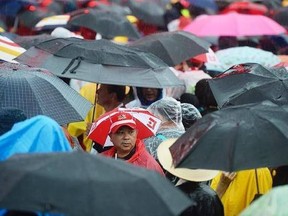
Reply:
x=234, y=24
x=106, y=23
x=29, y=18
x=272, y=203
x=146, y=123
x=93, y=51
x=172, y=47
x=31, y=40
x=57, y=182
x=100, y=61
x=235, y=138
x=149, y=12
x=36, y=91
x=281, y=16
x=239, y=55
x=9, y=49
x=250, y=83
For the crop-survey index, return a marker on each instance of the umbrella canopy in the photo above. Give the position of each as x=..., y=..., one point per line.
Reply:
x=31, y=40
x=112, y=7
x=272, y=203
x=172, y=47
x=204, y=4
x=52, y=22
x=149, y=12
x=29, y=18
x=93, y=51
x=246, y=8
x=250, y=83
x=9, y=49
x=239, y=55
x=234, y=24
x=281, y=16
x=11, y=8
x=146, y=123
x=100, y=61
x=235, y=138
x=36, y=91
x=58, y=183
x=107, y=23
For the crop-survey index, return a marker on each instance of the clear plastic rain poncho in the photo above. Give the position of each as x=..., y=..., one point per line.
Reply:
x=168, y=110
x=190, y=114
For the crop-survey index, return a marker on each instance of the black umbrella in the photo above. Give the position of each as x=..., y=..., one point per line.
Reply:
x=31, y=40
x=172, y=47
x=235, y=138
x=281, y=16
x=250, y=83
x=149, y=12
x=113, y=7
x=84, y=184
x=29, y=18
x=36, y=91
x=93, y=51
x=100, y=61
x=107, y=23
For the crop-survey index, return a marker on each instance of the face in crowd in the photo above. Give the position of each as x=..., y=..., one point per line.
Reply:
x=124, y=140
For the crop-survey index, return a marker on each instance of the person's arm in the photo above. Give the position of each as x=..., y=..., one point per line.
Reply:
x=225, y=180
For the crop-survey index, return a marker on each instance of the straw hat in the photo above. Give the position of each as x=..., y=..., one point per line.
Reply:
x=196, y=175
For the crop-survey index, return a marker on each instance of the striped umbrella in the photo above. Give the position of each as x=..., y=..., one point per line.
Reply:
x=9, y=49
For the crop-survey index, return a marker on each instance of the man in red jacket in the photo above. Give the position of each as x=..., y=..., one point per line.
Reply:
x=123, y=134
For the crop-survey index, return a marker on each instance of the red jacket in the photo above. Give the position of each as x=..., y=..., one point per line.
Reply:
x=141, y=157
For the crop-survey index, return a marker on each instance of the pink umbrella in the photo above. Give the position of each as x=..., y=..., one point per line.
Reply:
x=234, y=24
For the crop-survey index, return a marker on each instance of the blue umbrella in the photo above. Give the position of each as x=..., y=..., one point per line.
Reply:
x=204, y=4
x=11, y=8
x=37, y=134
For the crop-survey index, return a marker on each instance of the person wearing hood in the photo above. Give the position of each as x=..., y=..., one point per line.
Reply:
x=192, y=182
x=145, y=97
x=190, y=114
x=168, y=110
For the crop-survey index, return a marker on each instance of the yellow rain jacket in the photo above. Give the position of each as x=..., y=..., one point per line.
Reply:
x=78, y=129
x=242, y=189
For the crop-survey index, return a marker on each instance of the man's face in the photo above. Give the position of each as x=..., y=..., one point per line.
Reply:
x=124, y=140
x=150, y=94
x=103, y=95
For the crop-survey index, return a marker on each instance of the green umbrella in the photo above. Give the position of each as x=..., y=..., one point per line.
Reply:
x=272, y=203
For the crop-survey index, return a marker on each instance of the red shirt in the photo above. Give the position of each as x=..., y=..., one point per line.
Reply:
x=141, y=157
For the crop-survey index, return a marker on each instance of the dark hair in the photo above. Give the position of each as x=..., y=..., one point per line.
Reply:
x=143, y=100
x=225, y=42
x=205, y=96
x=190, y=98
x=118, y=90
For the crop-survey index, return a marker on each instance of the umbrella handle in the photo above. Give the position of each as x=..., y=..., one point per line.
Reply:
x=72, y=70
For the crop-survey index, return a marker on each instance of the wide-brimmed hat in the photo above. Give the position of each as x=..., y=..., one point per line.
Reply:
x=165, y=159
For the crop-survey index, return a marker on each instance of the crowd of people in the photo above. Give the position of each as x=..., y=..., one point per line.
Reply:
x=212, y=192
